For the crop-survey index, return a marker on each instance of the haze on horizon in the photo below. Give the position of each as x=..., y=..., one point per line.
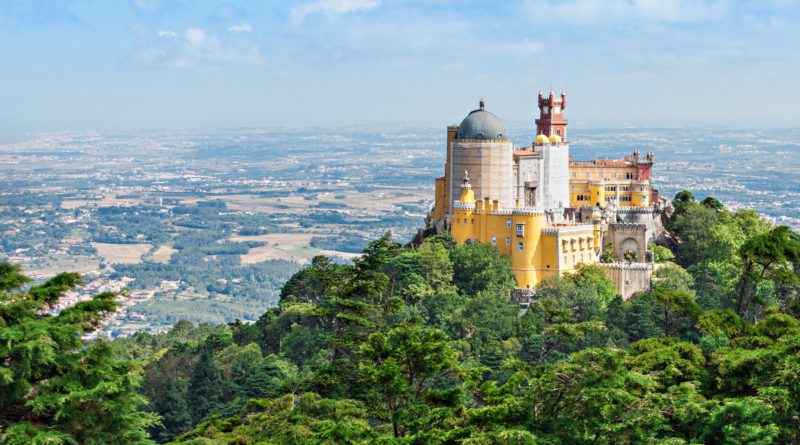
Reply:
x=89, y=64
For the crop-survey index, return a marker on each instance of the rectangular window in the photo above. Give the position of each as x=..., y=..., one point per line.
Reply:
x=520, y=229
x=508, y=241
x=508, y=223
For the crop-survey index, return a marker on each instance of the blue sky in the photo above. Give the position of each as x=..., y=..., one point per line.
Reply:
x=154, y=63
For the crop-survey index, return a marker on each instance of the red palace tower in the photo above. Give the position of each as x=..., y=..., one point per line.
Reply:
x=551, y=115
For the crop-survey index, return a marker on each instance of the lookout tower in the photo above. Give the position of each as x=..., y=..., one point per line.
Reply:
x=551, y=116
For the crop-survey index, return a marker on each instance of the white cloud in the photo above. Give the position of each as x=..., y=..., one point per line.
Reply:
x=330, y=8
x=195, y=36
x=243, y=27
x=198, y=48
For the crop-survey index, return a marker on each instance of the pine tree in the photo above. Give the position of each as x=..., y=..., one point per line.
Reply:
x=54, y=386
x=171, y=404
x=205, y=387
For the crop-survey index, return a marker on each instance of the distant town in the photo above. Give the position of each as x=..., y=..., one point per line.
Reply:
x=207, y=226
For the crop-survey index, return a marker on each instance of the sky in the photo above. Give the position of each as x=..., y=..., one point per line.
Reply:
x=131, y=64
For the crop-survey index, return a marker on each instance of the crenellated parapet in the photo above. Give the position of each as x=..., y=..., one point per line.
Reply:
x=458, y=205
x=628, y=266
x=528, y=211
x=568, y=230
x=628, y=227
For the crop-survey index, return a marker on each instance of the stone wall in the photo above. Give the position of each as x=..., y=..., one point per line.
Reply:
x=626, y=237
x=489, y=164
x=629, y=278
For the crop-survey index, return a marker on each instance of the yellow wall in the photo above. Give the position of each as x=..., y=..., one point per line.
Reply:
x=601, y=172
x=541, y=256
x=527, y=264
x=439, y=199
x=632, y=193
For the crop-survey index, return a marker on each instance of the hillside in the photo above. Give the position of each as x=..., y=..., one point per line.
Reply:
x=421, y=345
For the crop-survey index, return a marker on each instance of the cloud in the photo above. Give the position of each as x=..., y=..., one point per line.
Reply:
x=242, y=27
x=330, y=8
x=195, y=36
x=198, y=48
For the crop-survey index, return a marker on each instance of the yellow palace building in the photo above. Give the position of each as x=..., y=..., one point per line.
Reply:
x=538, y=248
x=537, y=205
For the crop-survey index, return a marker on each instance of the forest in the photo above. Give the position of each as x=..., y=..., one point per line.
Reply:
x=419, y=344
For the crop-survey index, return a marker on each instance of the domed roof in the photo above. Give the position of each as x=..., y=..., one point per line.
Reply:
x=555, y=139
x=541, y=139
x=481, y=124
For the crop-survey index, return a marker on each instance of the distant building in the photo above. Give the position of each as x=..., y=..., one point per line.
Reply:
x=540, y=207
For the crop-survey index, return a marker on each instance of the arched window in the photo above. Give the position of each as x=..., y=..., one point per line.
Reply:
x=520, y=246
x=494, y=240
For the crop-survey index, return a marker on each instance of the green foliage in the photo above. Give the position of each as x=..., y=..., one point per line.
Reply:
x=419, y=344
x=293, y=419
x=480, y=266
x=661, y=254
x=712, y=203
x=607, y=255
x=55, y=387
x=410, y=370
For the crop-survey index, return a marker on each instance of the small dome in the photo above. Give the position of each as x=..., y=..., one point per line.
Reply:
x=541, y=140
x=596, y=216
x=481, y=124
x=555, y=139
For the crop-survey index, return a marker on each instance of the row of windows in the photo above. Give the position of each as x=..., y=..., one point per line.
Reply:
x=628, y=175
x=508, y=240
x=575, y=258
x=580, y=244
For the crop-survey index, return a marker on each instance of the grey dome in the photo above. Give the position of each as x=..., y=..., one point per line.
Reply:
x=481, y=124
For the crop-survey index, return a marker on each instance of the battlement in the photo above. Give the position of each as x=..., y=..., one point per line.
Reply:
x=568, y=230
x=528, y=211
x=522, y=295
x=635, y=210
x=499, y=212
x=458, y=205
x=628, y=266
x=628, y=227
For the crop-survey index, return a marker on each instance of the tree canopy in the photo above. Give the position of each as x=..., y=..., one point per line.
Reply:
x=419, y=344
